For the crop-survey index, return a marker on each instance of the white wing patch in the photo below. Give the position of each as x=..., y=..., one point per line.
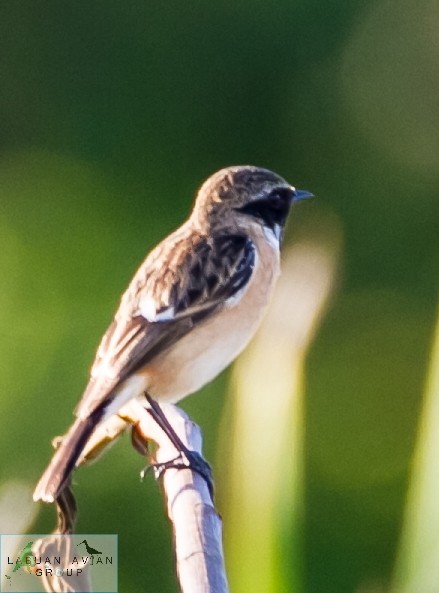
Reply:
x=148, y=309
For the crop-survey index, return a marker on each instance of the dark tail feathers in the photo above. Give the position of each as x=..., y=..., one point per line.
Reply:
x=64, y=460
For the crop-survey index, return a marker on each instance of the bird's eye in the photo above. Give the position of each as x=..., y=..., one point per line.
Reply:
x=272, y=209
x=278, y=198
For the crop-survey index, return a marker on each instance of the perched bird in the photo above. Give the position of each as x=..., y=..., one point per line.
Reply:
x=191, y=308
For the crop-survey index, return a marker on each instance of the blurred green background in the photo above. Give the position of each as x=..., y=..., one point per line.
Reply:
x=111, y=115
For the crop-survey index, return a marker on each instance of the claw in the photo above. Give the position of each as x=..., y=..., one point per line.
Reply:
x=185, y=460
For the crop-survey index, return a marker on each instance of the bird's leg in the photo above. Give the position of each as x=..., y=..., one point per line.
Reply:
x=186, y=458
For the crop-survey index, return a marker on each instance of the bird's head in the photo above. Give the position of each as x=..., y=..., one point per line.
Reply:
x=243, y=196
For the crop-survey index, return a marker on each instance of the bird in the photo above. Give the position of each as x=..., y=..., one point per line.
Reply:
x=91, y=551
x=191, y=308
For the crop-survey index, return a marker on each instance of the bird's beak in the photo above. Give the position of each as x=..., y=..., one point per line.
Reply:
x=300, y=194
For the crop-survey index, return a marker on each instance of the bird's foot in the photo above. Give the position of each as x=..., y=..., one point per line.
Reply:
x=185, y=460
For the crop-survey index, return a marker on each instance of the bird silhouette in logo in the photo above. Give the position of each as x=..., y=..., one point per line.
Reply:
x=90, y=551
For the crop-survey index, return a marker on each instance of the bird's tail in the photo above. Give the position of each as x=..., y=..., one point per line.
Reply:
x=64, y=460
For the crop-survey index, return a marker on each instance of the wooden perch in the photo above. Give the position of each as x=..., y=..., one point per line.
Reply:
x=196, y=525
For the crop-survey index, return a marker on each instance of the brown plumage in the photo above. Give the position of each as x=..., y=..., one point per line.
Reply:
x=192, y=306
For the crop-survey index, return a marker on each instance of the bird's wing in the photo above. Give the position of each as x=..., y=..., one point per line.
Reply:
x=179, y=284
